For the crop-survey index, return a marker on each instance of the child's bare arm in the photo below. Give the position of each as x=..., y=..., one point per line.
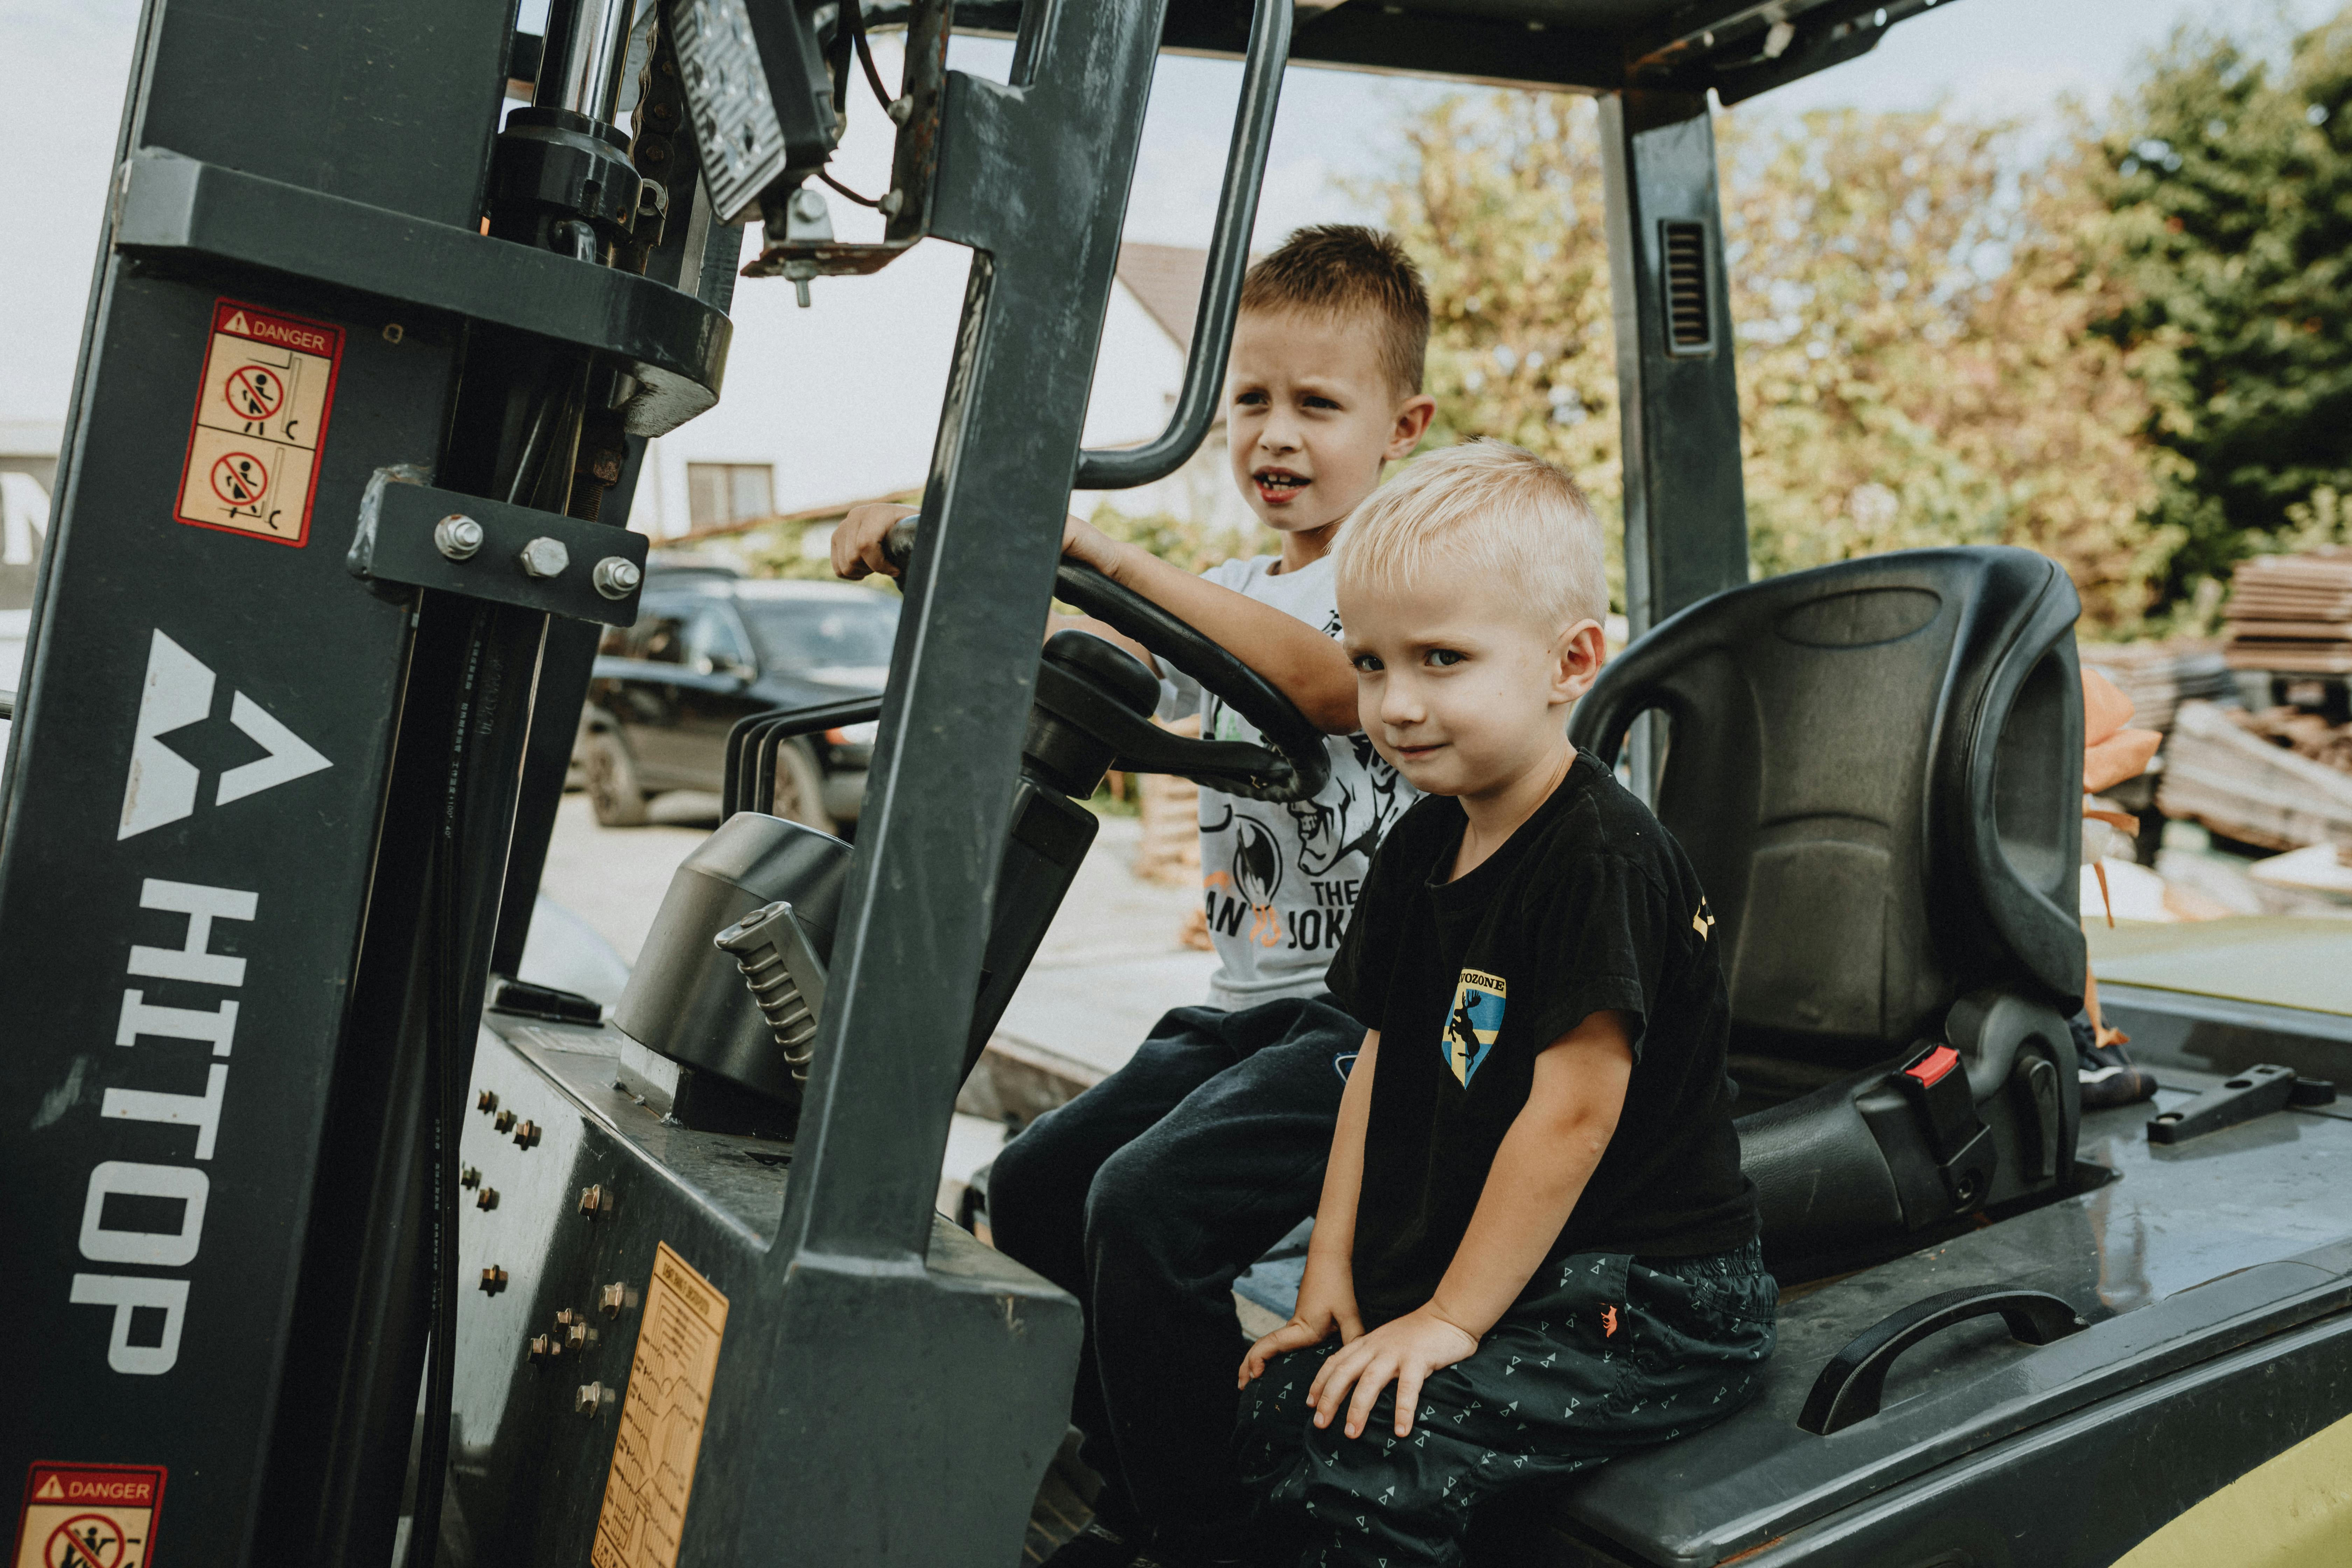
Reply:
x=1538, y=1172
x=1327, y=1295
x=1305, y=666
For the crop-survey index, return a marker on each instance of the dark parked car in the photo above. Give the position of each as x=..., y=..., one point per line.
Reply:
x=710, y=646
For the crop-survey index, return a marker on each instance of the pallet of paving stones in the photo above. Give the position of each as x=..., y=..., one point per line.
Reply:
x=2244, y=782
x=2293, y=614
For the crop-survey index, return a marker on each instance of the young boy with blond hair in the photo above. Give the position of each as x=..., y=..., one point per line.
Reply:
x=1535, y=1249
x=1148, y=1194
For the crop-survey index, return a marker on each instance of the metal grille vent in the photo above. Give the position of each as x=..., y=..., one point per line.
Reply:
x=1689, y=329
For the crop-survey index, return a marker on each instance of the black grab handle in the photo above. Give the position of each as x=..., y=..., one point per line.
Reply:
x=1849, y=1388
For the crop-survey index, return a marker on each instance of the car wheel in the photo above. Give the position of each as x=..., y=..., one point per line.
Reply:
x=800, y=792
x=612, y=791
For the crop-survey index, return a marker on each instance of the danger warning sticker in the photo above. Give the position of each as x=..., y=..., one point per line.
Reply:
x=261, y=416
x=88, y=1516
x=661, y=1419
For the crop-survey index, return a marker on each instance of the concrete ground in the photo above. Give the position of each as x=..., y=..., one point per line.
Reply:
x=1111, y=964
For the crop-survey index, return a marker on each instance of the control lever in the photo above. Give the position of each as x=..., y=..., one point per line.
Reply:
x=785, y=976
x=2256, y=1091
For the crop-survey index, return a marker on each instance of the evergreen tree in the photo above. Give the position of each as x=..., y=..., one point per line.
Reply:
x=2229, y=186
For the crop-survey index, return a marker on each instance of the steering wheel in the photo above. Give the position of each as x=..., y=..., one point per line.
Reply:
x=1073, y=674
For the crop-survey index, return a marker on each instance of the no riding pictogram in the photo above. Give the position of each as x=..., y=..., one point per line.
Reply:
x=240, y=480
x=254, y=392
x=87, y=1541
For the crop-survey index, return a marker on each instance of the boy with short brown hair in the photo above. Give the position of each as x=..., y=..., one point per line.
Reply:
x=1148, y=1196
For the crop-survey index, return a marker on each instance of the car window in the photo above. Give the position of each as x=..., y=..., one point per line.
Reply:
x=710, y=642
x=824, y=634
x=658, y=636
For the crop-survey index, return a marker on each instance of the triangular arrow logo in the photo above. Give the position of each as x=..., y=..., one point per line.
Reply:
x=235, y=323
x=51, y=1492
x=161, y=787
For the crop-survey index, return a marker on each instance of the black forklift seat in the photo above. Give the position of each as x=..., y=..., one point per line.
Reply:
x=1877, y=769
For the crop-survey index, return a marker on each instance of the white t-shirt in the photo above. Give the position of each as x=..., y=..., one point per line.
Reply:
x=1280, y=882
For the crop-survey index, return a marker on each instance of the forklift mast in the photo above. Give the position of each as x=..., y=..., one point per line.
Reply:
x=364, y=387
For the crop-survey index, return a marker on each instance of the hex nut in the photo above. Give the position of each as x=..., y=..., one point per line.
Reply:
x=591, y=1397
x=616, y=577
x=542, y=1347
x=488, y=1198
x=527, y=1135
x=457, y=536
x=493, y=1279
x=486, y=1102
x=591, y=1201
x=471, y=1176
x=504, y=1122
x=579, y=1336
x=612, y=1298
x=543, y=557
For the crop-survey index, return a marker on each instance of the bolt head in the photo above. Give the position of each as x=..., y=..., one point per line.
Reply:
x=488, y=1198
x=807, y=204
x=592, y=1199
x=902, y=108
x=457, y=536
x=471, y=1176
x=612, y=1298
x=485, y=1101
x=617, y=578
x=543, y=557
x=527, y=1135
x=591, y=1395
x=890, y=204
x=538, y=1347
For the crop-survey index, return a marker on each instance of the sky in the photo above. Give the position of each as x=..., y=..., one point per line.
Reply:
x=2013, y=57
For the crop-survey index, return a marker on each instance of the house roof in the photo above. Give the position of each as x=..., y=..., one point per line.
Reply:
x=1166, y=281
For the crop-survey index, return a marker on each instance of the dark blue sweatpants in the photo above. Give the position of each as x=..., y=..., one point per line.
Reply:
x=1146, y=1197
x=1602, y=1354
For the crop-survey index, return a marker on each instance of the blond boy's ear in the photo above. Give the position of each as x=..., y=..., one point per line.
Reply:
x=1583, y=650
x=1413, y=419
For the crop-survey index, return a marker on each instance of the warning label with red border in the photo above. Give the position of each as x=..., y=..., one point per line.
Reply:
x=260, y=420
x=88, y=1516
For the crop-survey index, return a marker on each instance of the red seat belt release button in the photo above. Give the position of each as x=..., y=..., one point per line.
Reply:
x=1932, y=1069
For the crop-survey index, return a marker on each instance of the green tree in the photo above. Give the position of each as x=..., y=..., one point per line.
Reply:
x=1911, y=313
x=2229, y=186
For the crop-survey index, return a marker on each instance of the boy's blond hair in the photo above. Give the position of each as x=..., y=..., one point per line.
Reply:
x=1347, y=270
x=1503, y=512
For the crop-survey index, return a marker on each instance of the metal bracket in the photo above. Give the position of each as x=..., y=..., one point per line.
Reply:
x=2256, y=1091
x=413, y=534
x=671, y=343
x=914, y=166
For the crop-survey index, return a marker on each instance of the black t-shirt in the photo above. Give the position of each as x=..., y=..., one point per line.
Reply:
x=1591, y=905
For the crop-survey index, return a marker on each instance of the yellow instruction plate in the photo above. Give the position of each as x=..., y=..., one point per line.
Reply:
x=661, y=1419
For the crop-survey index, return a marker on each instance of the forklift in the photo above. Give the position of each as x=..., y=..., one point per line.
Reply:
x=330, y=1239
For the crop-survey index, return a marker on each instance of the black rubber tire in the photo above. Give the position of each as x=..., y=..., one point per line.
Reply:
x=612, y=791
x=800, y=787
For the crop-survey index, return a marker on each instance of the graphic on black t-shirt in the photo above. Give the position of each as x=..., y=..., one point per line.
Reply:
x=1477, y=1018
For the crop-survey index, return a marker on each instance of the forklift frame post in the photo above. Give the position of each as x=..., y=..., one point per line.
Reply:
x=1685, y=509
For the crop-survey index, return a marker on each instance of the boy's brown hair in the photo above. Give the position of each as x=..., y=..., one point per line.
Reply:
x=1345, y=269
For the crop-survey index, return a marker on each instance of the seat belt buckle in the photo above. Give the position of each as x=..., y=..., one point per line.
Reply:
x=1936, y=1085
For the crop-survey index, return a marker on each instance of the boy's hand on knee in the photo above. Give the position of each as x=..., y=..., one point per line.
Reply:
x=858, y=543
x=1405, y=1350
x=1327, y=1300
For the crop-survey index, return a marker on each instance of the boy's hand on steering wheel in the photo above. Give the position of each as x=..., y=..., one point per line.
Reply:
x=858, y=543
x=1407, y=1350
x=1083, y=542
x=1327, y=1300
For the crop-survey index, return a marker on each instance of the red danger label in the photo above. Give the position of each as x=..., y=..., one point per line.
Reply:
x=88, y=1516
x=260, y=422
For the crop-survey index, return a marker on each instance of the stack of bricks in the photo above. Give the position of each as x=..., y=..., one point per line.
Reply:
x=1170, y=809
x=2293, y=614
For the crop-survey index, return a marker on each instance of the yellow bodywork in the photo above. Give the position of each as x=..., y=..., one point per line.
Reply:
x=2295, y=1511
